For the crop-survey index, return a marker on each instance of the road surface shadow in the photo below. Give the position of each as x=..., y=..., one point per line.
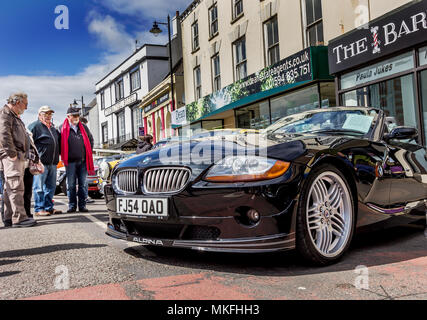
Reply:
x=9, y=273
x=377, y=248
x=48, y=249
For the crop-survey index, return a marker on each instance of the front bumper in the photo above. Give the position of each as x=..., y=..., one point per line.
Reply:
x=279, y=242
x=212, y=219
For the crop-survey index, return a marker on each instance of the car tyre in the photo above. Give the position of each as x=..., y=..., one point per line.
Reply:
x=326, y=217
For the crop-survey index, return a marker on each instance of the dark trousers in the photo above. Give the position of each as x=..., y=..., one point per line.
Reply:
x=76, y=175
x=28, y=182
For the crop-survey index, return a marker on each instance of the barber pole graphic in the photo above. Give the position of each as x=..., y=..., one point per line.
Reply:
x=376, y=43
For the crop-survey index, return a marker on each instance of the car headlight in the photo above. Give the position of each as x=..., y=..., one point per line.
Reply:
x=105, y=170
x=246, y=169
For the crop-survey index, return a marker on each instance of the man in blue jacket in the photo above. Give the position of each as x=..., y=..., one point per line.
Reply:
x=47, y=140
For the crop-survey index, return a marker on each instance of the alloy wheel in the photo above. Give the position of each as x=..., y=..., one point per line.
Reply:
x=329, y=214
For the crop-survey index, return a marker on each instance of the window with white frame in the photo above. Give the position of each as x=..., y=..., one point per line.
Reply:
x=137, y=120
x=195, y=35
x=104, y=129
x=237, y=8
x=216, y=73
x=197, y=83
x=135, y=80
x=102, y=100
x=271, y=31
x=240, y=59
x=213, y=20
x=313, y=22
x=121, y=132
x=119, y=87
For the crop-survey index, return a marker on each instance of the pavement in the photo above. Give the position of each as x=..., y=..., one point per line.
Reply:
x=69, y=257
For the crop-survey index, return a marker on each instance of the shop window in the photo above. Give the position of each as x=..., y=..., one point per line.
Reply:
x=240, y=59
x=137, y=121
x=327, y=93
x=395, y=97
x=271, y=36
x=294, y=102
x=423, y=77
x=216, y=73
x=213, y=20
x=313, y=22
x=212, y=124
x=256, y=116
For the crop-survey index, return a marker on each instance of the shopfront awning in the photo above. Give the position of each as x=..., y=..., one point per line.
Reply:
x=306, y=66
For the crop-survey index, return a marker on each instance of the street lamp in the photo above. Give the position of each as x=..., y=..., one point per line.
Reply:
x=156, y=31
x=75, y=105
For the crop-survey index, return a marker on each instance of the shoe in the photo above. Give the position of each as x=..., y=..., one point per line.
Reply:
x=43, y=214
x=72, y=210
x=55, y=211
x=25, y=224
x=7, y=223
x=90, y=200
x=84, y=210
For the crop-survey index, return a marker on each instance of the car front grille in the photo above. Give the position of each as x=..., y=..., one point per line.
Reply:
x=127, y=181
x=166, y=180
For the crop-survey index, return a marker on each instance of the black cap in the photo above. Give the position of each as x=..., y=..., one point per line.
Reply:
x=73, y=111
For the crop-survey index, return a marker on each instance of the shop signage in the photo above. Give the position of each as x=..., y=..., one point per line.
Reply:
x=132, y=99
x=179, y=117
x=292, y=70
x=399, y=30
x=378, y=71
x=156, y=103
x=423, y=56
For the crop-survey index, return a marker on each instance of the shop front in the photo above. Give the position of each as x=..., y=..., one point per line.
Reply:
x=298, y=83
x=384, y=65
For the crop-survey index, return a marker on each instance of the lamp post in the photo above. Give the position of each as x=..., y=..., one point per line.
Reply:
x=156, y=31
x=75, y=105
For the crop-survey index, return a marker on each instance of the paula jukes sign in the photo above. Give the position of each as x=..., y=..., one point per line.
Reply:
x=401, y=29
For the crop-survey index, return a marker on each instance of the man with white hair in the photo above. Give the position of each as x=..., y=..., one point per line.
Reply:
x=47, y=140
x=14, y=151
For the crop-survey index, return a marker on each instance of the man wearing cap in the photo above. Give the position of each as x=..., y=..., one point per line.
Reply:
x=47, y=140
x=76, y=154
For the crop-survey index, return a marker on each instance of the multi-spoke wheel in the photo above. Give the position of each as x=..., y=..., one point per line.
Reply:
x=326, y=216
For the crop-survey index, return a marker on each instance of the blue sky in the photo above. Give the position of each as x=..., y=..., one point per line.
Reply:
x=55, y=66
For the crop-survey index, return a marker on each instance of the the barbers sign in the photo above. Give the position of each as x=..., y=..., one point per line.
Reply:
x=132, y=99
x=401, y=29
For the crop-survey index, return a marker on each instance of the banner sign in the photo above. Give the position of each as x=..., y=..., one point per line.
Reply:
x=399, y=30
x=156, y=103
x=132, y=99
x=294, y=69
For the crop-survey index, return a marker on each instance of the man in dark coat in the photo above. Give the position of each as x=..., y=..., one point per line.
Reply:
x=47, y=140
x=76, y=154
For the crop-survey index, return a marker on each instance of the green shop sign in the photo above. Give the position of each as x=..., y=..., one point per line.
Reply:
x=301, y=68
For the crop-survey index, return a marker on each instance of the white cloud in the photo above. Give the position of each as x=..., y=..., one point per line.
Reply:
x=59, y=91
x=158, y=9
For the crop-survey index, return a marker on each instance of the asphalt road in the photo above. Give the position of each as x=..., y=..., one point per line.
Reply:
x=69, y=257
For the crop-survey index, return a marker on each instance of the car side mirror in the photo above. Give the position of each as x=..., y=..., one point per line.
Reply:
x=402, y=133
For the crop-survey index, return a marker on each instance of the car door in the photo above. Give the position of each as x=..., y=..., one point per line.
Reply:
x=408, y=165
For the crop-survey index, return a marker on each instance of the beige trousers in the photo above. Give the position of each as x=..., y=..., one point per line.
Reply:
x=14, y=190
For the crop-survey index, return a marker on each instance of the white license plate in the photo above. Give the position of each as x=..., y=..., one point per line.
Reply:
x=150, y=207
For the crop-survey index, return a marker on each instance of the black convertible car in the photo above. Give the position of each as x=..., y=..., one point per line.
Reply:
x=307, y=182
